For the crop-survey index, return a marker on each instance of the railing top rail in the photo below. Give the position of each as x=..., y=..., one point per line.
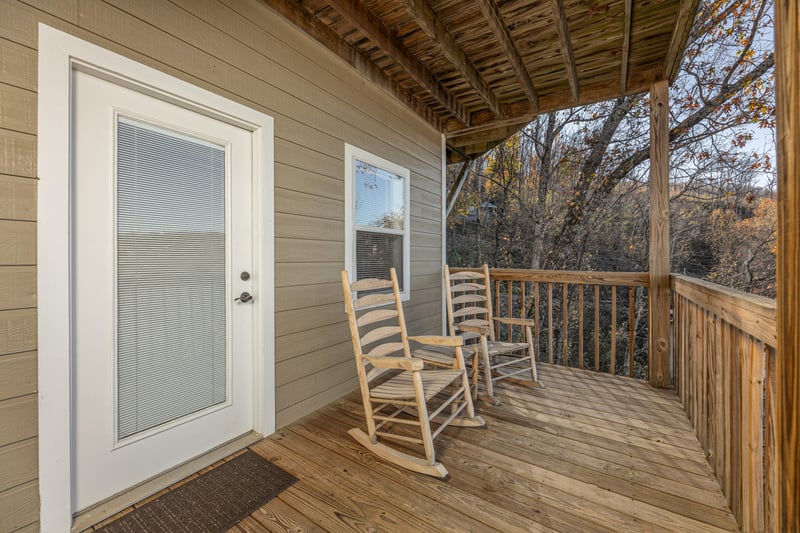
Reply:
x=629, y=279
x=755, y=315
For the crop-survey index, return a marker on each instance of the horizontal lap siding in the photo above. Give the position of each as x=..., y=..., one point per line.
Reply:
x=19, y=499
x=243, y=51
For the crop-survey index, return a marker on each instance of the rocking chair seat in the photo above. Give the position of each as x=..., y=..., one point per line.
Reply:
x=401, y=386
x=441, y=355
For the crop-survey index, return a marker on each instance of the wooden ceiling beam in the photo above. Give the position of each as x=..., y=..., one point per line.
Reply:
x=626, y=45
x=680, y=35
x=562, y=28
x=304, y=20
x=520, y=112
x=433, y=27
x=495, y=20
x=500, y=132
x=374, y=29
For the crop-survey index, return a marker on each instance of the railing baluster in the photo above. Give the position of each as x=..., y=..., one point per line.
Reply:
x=719, y=411
x=597, y=328
x=631, y=331
x=580, y=326
x=550, y=323
x=727, y=409
x=496, y=327
x=565, y=324
x=770, y=466
x=509, y=307
x=613, y=363
x=536, y=315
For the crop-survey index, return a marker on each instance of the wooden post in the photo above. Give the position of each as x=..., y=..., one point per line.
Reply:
x=787, y=417
x=659, y=235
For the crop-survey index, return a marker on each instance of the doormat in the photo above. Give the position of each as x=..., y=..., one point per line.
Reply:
x=213, y=502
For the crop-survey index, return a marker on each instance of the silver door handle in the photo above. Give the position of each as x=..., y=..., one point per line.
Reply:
x=244, y=298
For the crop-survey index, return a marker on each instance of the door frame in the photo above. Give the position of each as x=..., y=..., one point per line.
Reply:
x=60, y=54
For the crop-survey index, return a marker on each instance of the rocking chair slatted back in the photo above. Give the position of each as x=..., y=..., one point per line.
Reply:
x=379, y=334
x=467, y=297
x=369, y=316
x=372, y=300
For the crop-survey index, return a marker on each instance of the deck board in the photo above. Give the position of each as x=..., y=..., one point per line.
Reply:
x=588, y=452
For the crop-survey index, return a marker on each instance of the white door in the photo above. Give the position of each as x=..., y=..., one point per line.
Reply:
x=162, y=244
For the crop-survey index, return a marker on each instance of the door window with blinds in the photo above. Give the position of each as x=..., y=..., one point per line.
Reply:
x=171, y=276
x=377, y=218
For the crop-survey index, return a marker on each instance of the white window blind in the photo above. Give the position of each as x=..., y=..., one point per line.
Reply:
x=379, y=203
x=171, y=298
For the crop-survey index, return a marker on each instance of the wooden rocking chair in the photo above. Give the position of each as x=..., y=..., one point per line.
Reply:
x=411, y=395
x=469, y=314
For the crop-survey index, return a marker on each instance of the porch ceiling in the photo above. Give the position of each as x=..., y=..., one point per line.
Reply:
x=480, y=70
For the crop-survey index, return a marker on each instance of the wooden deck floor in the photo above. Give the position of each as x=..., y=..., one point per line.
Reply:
x=587, y=453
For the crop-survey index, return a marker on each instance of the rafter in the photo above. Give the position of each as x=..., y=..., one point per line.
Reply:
x=358, y=15
x=435, y=30
x=626, y=46
x=680, y=35
x=304, y=20
x=566, y=47
x=495, y=20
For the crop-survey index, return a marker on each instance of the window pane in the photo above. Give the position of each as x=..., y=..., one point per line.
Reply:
x=376, y=253
x=380, y=201
x=171, y=356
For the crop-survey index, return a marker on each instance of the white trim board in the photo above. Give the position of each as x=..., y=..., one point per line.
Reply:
x=60, y=54
x=445, y=330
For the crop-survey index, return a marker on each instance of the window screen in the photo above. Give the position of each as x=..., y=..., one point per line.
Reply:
x=171, y=275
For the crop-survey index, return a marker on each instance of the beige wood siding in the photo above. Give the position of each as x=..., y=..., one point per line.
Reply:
x=243, y=51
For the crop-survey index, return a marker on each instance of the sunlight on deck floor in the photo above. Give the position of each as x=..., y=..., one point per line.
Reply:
x=589, y=452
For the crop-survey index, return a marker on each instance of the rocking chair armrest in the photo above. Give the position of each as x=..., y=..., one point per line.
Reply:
x=468, y=328
x=403, y=363
x=515, y=321
x=438, y=340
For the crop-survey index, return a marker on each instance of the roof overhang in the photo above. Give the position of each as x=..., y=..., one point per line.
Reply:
x=479, y=70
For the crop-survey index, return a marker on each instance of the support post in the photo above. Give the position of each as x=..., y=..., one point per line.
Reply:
x=787, y=367
x=659, y=343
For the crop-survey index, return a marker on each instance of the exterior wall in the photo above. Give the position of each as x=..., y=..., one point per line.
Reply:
x=241, y=50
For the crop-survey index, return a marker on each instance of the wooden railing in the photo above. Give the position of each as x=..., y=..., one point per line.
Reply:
x=724, y=369
x=588, y=320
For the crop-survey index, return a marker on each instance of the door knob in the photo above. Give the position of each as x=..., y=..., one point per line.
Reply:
x=244, y=298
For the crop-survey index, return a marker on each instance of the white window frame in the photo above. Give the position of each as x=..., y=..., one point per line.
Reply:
x=351, y=154
x=60, y=54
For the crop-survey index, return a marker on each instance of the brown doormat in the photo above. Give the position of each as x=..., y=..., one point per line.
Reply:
x=212, y=502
